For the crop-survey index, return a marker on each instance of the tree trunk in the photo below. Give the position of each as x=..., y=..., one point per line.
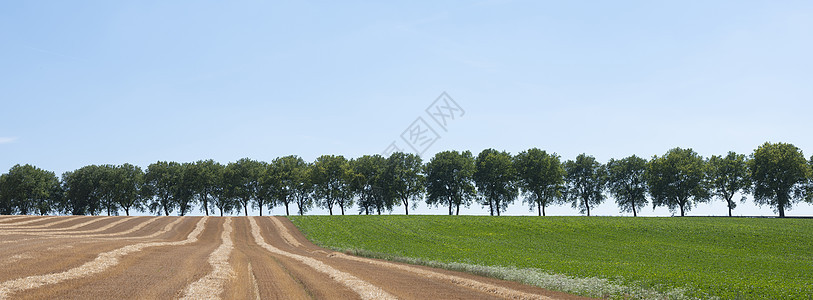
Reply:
x=260, y=204
x=682, y=213
x=634, y=213
x=491, y=207
x=458, y=210
x=543, y=210
x=245, y=208
x=206, y=206
x=221, y=211
x=781, y=209
x=406, y=207
x=587, y=205
x=341, y=207
x=286, y=209
x=450, y=207
x=539, y=207
x=127, y=211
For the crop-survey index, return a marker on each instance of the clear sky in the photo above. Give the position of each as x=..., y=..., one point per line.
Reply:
x=98, y=82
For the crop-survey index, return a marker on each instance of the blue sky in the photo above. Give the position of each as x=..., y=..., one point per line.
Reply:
x=95, y=82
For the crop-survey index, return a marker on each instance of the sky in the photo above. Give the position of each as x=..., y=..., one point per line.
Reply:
x=112, y=82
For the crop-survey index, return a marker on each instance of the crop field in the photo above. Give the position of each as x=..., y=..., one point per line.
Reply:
x=91, y=257
x=614, y=257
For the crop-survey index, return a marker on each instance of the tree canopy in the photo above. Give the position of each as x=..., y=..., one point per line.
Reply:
x=677, y=180
x=779, y=172
x=495, y=178
x=727, y=176
x=449, y=180
x=626, y=181
x=585, y=182
x=541, y=177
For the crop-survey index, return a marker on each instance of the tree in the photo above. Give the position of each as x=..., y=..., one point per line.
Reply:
x=284, y=175
x=106, y=181
x=207, y=176
x=184, y=187
x=541, y=177
x=26, y=189
x=585, y=182
x=449, y=179
x=82, y=190
x=779, y=172
x=302, y=187
x=330, y=177
x=404, y=178
x=676, y=180
x=367, y=180
x=129, y=185
x=727, y=176
x=626, y=181
x=160, y=180
x=220, y=197
x=242, y=182
x=495, y=178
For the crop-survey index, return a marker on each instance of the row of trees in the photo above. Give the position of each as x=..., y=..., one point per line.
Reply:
x=776, y=174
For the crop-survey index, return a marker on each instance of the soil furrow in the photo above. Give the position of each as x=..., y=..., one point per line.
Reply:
x=364, y=289
x=153, y=273
x=211, y=286
x=101, y=263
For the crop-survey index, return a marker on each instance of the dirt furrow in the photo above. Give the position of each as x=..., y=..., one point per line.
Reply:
x=259, y=273
x=211, y=286
x=8, y=218
x=75, y=222
x=364, y=289
x=46, y=249
x=401, y=279
x=33, y=219
x=159, y=272
x=102, y=262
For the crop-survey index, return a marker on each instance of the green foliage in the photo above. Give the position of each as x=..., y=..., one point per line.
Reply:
x=730, y=258
x=585, y=182
x=83, y=191
x=27, y=189
x=779, y=172
x=541, y=177
x=127, y=182
x=367, y=181
x=405, y=183
x=449, y=179
x=161, y=178
x=495, y=177
x=331, y=176
x=284, y=176
x=677, y=180
x=727, y=176
x=626, y=181
x=207, y=177
x=242, y=182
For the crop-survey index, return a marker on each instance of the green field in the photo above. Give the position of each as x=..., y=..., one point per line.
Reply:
x=730, y=258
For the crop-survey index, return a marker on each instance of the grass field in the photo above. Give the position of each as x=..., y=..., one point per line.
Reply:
x=730, y=258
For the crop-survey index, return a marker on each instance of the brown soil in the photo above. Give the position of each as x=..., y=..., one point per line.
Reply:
x=169, y=257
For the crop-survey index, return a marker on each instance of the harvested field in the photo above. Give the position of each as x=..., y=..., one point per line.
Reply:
x=211, y=258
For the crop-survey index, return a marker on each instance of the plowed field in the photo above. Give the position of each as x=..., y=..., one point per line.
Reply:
x=85, y=257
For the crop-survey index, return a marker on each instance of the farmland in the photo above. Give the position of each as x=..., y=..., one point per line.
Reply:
x=698, y=257
x=92, y=257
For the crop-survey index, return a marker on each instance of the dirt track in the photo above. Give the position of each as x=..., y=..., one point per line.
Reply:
x=214, y=258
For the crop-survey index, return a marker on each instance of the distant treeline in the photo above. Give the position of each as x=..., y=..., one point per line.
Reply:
x=776, y=174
